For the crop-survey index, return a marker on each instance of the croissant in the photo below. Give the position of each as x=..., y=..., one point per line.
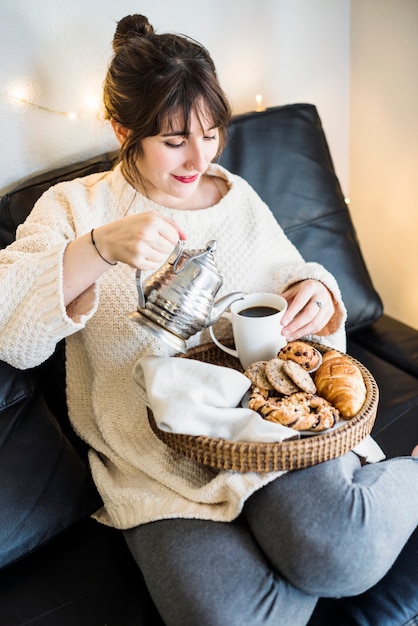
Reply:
x=339, y=380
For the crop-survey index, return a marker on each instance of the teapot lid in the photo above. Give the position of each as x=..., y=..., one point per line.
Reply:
x=181, y=258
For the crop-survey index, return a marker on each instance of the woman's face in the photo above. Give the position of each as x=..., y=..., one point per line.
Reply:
x=172, y=164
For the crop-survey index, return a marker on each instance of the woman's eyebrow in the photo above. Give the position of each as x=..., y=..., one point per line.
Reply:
x=182, y=133
x=175, y=133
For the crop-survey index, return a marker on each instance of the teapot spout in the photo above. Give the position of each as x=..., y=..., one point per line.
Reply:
x=222, y=304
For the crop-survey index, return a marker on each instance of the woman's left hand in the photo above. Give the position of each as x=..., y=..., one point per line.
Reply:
x=310, y=307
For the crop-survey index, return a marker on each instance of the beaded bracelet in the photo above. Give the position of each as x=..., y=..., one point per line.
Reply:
x=97, y=249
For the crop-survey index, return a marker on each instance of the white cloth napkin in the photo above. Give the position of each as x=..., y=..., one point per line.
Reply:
x=196, y=398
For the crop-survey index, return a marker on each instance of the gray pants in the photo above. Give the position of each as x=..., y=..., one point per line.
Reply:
x=331, y=530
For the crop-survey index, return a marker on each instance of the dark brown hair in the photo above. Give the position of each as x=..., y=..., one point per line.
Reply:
x=153, y=78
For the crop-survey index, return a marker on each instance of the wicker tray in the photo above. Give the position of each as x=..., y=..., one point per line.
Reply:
x=266, y=457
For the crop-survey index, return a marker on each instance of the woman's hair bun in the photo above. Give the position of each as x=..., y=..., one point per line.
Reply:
x=129, y=27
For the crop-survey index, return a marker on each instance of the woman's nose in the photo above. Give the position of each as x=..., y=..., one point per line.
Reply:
x=196, y=160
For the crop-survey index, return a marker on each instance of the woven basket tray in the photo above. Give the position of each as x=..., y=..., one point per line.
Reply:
x=267, y=457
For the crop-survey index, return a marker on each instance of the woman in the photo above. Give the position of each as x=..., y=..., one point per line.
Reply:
x=215, y=547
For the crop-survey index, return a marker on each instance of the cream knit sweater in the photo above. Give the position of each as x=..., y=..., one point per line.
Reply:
x=139, y=478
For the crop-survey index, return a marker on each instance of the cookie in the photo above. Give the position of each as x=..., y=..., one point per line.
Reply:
x=278, y=378
x=256, y=372
x=302, y=353
x=300, y=376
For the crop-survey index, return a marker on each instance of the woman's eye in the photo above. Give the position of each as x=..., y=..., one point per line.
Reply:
x=210, y=137
x=174, y=145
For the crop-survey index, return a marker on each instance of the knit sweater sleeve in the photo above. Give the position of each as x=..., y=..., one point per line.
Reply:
x=33, y=316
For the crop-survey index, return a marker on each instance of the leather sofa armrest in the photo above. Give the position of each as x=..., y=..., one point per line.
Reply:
x=391, y=340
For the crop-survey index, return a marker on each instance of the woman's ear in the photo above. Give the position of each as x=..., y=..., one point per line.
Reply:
x=121, y=132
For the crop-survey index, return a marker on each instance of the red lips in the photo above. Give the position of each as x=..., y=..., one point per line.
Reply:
x=186, y=179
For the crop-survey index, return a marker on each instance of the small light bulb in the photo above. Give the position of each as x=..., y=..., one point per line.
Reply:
x=92, y=103
x=19, y=92
x=259, y=103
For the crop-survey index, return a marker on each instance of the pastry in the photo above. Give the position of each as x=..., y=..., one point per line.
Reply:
x=257, y=399
x=301, y=411
x=339, y=380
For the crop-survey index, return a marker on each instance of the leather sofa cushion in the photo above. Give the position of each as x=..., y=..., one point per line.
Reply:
x=393, y=341
x=45, y=486
x=396, y=426
x=84, y=577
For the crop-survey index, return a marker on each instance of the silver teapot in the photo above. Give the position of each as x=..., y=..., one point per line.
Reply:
x=178, y=300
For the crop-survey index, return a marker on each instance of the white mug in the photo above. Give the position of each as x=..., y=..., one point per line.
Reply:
x=256, y=326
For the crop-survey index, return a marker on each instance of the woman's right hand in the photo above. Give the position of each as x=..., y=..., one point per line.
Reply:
x=143, y=241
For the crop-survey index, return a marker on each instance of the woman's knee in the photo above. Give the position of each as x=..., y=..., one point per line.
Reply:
x=337, y=568
x=325, y=541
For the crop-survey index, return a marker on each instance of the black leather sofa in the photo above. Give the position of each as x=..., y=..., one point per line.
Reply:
x=60, y=568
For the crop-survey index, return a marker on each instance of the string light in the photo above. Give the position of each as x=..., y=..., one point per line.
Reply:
x=18, y=94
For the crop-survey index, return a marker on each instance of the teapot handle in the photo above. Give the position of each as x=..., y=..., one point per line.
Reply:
x=141, y=297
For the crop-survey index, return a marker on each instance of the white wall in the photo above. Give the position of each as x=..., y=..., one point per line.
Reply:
x=57, y=51
x=384, y=148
